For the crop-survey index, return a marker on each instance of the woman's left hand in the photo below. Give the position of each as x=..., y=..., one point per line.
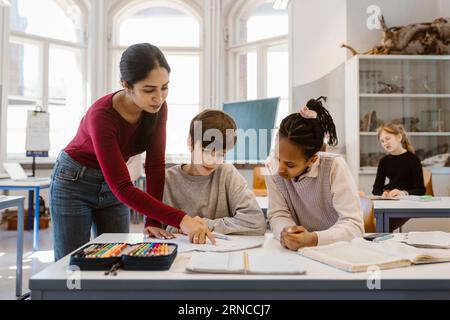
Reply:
x=296, y=237
x=397, y=193
x=159, y=233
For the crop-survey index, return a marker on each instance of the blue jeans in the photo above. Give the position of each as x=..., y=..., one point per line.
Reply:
x=80, y=199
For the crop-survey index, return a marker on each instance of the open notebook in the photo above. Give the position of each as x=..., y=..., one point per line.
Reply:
x=431, y=239
x=382, y=198
x=243, y=262
x=234, y=243
x=359, y=255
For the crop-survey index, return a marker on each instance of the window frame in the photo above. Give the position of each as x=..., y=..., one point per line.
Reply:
x=237, y=47
x=44, y=44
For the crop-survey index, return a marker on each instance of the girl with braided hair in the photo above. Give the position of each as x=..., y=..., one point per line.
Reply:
x=313, y=199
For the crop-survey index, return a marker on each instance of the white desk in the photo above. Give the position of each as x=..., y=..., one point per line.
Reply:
x=385, y=210
x=9, y=202
x=320, y=282
x=34, y=189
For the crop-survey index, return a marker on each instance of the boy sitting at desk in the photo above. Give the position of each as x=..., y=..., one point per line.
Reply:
x=208, y=189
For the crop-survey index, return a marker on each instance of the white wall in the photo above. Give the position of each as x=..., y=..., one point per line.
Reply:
x=319, y=28
x=444, y=8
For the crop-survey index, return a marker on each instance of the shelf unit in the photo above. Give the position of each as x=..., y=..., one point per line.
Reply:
x=415, y=91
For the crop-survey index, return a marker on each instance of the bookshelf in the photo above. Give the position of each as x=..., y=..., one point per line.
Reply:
x=410, y=90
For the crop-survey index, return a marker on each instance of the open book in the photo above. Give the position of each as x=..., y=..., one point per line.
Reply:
x=243, y=262
x=359, y=255
x=431, y=239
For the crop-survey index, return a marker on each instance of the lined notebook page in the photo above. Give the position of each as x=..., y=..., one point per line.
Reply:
x=434, y=239
x=211, y=262
x=275, y=264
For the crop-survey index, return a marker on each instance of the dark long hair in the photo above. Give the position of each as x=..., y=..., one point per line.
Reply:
x=309, y=134
x=136, y=63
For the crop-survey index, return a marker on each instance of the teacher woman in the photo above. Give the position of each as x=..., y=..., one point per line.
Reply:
x=90, y=183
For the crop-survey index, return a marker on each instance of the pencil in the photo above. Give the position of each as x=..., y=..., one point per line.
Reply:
x=103, y=250
x=108, y=253
x=246, y=263
x=136, y=250
x=141, y=250
x=96, y=250
x=149, y=249
x=155, y=248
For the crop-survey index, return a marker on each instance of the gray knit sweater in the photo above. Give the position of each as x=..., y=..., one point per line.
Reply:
x=222, y=198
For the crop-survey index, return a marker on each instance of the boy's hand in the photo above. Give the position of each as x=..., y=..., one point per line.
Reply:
x=296, y=237
x=385, y=193
x=159, y=233
x=397, y=193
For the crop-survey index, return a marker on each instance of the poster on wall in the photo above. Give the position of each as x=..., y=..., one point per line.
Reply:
x=37, y=143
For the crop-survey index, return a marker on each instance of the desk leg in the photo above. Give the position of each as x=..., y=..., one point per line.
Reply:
x=30, y=209
x=387, y=219
x=20, y=222
x=36, y=221
x=379, y=216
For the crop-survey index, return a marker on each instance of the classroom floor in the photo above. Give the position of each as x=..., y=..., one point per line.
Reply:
x=33, y=262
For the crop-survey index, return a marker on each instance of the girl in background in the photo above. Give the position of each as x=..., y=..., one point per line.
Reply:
x=400, y=165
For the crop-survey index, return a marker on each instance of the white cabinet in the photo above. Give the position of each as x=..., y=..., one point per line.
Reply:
x=411, y=90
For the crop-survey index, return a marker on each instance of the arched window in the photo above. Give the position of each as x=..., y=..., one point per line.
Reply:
x=46, y=70
x=175, y=28
x=258, y=53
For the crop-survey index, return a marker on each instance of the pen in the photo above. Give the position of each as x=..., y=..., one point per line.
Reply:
x=389, y=236
x=220, y=236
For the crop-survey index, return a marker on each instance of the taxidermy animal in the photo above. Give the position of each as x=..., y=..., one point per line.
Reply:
x=418, y=38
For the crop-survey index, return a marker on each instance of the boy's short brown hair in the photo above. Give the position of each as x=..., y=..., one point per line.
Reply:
x=218, y=120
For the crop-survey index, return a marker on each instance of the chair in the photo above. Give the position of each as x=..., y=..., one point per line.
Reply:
x=259, y=182
x=427, y=180
x=368, y=213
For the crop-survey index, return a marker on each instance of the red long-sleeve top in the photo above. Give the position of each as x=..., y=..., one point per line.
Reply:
x=105, y=141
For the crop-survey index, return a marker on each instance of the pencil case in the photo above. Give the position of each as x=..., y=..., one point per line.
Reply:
x=113, y=256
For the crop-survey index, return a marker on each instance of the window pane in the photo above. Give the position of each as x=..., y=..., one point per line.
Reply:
x=247, y=64
x=263, y=22
x=65, y=74
x=184, y=87
x=24, y=70
x=66, y=96
x=162, y=26
x=278, y=78
x=32, y=16
x=278, y=71
x=183, y=100
x=179, y=119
